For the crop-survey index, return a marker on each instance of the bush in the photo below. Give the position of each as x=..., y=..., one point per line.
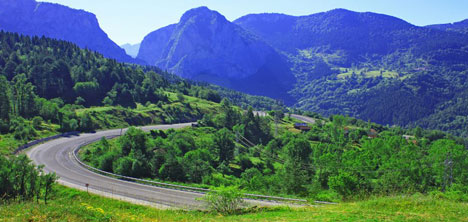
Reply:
x=225, y=200
x=106, y=160
x=37, y=122
x=22, y=131
x=344, y=184
x=123, y=166
x=218, y=179
x=4, y=127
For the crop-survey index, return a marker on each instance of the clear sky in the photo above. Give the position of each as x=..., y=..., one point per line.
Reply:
x=128, y=21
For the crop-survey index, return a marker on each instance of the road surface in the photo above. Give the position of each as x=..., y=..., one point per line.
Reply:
x=57, y=156
x=305, y=119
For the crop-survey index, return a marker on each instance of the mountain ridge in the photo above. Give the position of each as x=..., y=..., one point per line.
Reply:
x=61, y=22
x=461, y=26
x=131, y=49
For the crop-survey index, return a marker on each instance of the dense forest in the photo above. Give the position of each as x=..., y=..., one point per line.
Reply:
x=339, y=158
x=431, y=97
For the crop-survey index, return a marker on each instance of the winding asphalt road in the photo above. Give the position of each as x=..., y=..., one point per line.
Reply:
x=304, y=118
x=57, y=156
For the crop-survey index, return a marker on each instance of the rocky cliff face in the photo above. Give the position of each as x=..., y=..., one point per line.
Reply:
x=205, y=46
x=153, y=44
x=60, y=22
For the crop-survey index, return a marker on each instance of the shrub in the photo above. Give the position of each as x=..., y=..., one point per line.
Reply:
x=344, y=184
x=21, y=130
x=37, y=122
x=4, y=127
x=225, y=200
x=123, y=166
x=106, y=160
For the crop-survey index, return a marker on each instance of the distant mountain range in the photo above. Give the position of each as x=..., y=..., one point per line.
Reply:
x=367, y=65
x=131, y=49
x=29, y=17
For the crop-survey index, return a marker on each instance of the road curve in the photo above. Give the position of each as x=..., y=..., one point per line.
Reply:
x=305, y=119
x=57, y=157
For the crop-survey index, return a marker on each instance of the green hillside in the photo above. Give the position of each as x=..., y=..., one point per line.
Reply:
x=59, y=84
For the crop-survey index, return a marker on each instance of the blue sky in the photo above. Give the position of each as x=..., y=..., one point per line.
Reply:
x=128, y=21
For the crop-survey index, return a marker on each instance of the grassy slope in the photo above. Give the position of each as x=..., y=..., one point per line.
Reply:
x=112, y=117
x=118, y=117
x=369, y=74
x=73, y=205
x=8, y=143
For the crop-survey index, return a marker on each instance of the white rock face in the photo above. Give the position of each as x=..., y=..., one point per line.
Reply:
x=205, y=46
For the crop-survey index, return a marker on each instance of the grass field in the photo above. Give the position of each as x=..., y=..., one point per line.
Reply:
x=112, y=117
x=369, y=74
x=73, y=205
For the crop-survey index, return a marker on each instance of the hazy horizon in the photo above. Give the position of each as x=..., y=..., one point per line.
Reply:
x=128, y=22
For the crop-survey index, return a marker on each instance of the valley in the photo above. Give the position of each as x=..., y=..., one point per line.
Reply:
x=334, y=115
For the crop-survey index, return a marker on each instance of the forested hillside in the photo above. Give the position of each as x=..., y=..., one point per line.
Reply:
x=461, y=26
x=372, y=66
x=49, y=81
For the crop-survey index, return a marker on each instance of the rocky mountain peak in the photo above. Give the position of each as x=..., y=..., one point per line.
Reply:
x=205, y=46
x=201, y=13
x=29, y=17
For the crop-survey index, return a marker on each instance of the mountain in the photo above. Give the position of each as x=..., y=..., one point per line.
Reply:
x=461, y=26
x=337, y=29
x=372, y=66
x=32, y=18
x=351, y=35
x=205, y=46
x=153, y=44
x=131, y=49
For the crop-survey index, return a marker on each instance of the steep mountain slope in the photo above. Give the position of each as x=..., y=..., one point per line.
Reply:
x=371, y=66
x=153, y=44
x=205, y=46
x=337, y=28
x=131, y=49
x=60, y=22
x=461, y=26
x=353, y=36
